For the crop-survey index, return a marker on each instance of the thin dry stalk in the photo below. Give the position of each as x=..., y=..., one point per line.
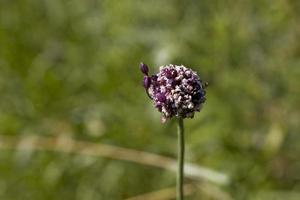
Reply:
x=68, y=145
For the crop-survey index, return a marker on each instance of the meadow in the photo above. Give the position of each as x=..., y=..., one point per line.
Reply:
x=76, y=123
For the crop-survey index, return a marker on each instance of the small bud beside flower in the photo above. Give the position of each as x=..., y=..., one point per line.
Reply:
x=144, y=69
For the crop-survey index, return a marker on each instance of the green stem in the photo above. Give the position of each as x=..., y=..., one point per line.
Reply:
x=180, y=172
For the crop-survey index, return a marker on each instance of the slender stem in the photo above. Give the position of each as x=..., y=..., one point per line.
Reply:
x=180, y=172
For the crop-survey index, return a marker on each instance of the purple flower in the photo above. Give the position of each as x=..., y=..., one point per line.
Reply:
x=175, y=90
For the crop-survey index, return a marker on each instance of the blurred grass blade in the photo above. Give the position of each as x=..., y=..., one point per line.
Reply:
x=68, y=145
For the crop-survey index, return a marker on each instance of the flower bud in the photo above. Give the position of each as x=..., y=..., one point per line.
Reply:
x=144, y=69
x=146, y=82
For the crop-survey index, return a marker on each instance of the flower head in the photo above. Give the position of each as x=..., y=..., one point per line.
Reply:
x=175, y=90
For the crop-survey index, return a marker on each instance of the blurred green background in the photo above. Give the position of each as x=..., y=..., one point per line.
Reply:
x=69, y=69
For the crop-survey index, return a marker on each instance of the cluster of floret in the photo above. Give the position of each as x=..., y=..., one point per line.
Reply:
x=175, y=90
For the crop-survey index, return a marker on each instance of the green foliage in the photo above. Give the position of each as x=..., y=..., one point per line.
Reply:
x=71, y=68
